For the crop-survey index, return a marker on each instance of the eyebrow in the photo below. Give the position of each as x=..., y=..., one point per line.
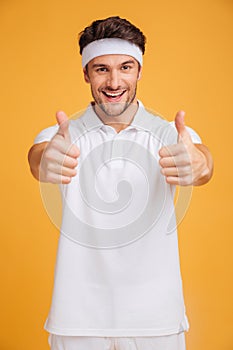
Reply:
x=106, y=65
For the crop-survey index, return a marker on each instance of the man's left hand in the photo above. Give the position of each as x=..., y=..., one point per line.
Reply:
x=184, y=163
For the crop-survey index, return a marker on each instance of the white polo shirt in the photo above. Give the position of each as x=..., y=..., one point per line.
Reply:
x=117, y=271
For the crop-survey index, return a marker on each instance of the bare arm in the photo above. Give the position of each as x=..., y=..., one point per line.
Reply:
x=34, y=158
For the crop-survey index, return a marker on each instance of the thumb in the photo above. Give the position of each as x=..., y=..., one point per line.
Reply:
x=180, y=126
x=63, y=122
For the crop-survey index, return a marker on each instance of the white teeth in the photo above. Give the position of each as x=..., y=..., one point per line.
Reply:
x=113, y=95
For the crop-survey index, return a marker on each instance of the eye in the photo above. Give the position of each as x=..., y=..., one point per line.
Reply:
x=126, y=67
x=101, y=69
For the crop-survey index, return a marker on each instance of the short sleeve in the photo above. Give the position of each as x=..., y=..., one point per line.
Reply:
x=194, y=136
x=46, y=135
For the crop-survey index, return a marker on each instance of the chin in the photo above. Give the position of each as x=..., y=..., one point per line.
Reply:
x=114, y=109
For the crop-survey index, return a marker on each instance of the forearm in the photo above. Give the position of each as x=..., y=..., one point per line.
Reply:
x=208, y=172
x=34, y=158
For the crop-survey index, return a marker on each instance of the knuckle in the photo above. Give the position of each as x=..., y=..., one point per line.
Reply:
x=73, y=172
x=161, y=151
x=63, y=159
x=55, y=142
x=66, y=180
x=74, y=151
x=49, y=155
x=161, y=161
x=163, y=171
x=72, y=164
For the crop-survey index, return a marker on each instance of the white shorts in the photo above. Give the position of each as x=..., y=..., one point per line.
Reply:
x=169, y=342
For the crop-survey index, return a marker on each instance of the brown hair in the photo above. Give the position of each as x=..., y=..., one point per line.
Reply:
x=112, y=27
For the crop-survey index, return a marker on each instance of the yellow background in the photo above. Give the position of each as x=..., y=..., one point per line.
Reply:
x=188, y=65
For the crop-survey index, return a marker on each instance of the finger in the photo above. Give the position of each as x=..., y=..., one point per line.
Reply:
x=69, y=150
x=172, y=150
x=176, y=161
x=61, y=170
x=69, y=162
x=180, y=181
x=61, y=160
x=74, y=151
x=63, y=123
x=183, y=134
x=174, y=171
x=58, y=179
x=58, y=154
x=65, y=148
x=179, y=122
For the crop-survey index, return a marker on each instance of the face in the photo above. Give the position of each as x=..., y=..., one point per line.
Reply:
x=113, y=80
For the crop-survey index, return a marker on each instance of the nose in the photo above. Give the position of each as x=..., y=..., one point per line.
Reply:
x=113, y=80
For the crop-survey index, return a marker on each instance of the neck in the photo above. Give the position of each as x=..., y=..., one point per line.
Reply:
x=118, y=122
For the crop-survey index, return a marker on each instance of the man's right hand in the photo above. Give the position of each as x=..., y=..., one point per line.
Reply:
x=57, y=163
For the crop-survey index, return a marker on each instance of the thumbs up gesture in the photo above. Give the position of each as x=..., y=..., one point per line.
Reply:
x=59, y=159
x=184, y=163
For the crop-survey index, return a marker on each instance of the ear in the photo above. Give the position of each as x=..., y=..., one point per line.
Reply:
x=139, y=73
x=86, y=77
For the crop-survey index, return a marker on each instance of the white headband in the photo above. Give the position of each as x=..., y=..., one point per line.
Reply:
x=110, y=46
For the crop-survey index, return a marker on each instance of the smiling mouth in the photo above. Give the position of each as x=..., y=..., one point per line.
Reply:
x=113, y=95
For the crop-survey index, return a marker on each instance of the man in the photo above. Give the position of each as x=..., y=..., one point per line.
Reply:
x=117, y=281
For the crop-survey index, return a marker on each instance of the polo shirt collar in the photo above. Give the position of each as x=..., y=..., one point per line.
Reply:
x=139, y=122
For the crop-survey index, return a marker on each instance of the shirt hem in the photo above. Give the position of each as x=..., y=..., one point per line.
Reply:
x=114, y=333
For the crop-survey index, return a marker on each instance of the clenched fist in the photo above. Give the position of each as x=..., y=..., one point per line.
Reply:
x=55, y=161
x=185, y=163
x=59, y=159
